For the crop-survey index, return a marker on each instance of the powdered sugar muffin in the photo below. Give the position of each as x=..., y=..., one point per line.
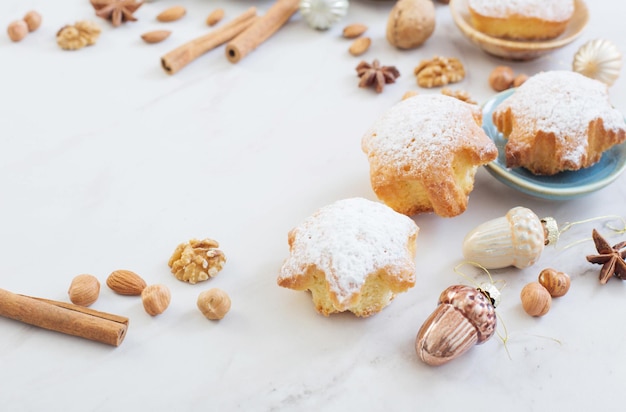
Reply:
x=557, y=121
x=424, y=153
x=353, y=255
x=521, y=19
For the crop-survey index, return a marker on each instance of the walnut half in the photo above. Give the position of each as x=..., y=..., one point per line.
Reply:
x=462, y=95
x=197, y=260
x=439, y=71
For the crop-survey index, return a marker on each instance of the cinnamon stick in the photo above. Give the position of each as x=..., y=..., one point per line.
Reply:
x=268, y=24
x=188, y=52
x=64, y=317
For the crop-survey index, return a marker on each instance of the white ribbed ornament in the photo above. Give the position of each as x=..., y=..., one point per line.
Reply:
x=516, y=239
x=598, y=59
x=321, y=14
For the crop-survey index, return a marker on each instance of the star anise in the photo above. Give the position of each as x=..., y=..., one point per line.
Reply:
x=118, y=11
x=610, y=257
x=376, y=75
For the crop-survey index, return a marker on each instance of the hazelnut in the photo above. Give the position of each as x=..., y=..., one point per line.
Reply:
x=556, y=283
x=84, y=290
x=501, y=78
x=155, y=299
x=17, y=30
x=214, y=303
x=536, y=299
x=519, y=80
x=33, y=20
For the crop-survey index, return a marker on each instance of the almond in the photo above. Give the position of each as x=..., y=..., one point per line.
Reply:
x=214, y=17
x=360, y=46
x=172, y=14
x=353, y=31
x=156, y=36
x=84, y=290
x=125, y=282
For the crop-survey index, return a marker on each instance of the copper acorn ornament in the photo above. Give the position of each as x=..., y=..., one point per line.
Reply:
x=465, y=316
x=516, y=239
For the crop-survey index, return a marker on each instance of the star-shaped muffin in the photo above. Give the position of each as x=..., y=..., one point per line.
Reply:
x=558, y=121
x=352, y=255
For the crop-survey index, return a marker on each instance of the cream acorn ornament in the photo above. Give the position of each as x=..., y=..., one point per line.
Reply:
x=516, y=239
x=599, y=59
x=465, y=316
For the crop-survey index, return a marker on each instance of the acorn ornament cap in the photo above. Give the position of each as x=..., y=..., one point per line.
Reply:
x=516, y=239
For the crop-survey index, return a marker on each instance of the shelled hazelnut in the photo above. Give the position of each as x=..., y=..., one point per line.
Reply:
x=84, y=290
x=536, y=299
x=155, y=299
x=214, y=303
x=17, y=30
x=32, y=20
x=501, y=78
x=556, y=283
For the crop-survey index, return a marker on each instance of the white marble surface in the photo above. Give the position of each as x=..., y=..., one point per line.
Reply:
x=109, y=163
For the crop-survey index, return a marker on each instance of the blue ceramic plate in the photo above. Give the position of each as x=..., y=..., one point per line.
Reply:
x=564, y=185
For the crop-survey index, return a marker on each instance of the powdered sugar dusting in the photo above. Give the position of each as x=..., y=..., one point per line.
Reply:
x=552, y=10
x=418, y=134
x=562, y=103
x=348, y=240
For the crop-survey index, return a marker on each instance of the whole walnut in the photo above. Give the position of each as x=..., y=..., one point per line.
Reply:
x=410, y=23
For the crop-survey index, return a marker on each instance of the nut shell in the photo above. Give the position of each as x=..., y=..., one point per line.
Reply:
x=536, y=299
x=214, y=303
x=556, y=283
x=84, y=290
x=410, y=23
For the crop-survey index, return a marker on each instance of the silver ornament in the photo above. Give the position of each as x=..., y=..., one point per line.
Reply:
x=599, y=59
x=321, y=14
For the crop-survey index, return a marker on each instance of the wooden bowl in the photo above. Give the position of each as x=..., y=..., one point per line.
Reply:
x=514, y=49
